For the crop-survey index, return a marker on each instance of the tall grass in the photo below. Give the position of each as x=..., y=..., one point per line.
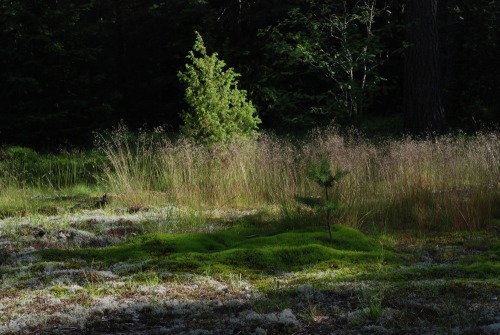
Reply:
x=24, y=166
x=26, y=174
x=449, y=182
x=153, y=168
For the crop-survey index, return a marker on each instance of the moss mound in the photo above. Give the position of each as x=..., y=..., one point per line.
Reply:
x=237, y=249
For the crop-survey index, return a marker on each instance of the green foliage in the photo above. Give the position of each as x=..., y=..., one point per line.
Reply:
x=321, y=174
x=313, y=202
x=218, y=110
x=71, y=67
x=337, y=41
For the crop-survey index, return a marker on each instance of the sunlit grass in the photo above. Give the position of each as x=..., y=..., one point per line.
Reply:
x=31, y=182
x=452, y=182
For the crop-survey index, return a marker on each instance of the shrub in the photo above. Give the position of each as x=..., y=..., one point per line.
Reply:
x=218, y=110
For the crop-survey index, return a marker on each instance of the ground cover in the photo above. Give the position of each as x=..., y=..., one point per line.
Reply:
x=122, y=271
x=211, y=240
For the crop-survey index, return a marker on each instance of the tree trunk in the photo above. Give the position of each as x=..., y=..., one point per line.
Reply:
x=423, y=110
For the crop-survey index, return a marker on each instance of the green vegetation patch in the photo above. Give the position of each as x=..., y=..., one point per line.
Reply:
x=484, y=266
x=237, y=249
x=486, y=270
x=59, y=171
x=495, y=248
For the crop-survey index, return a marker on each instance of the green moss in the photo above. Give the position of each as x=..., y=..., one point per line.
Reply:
x=164, y=244
x=233, y=250
x=257, y=251
x=58, y=291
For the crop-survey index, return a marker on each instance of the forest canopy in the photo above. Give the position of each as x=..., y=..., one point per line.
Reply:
x=70, y=68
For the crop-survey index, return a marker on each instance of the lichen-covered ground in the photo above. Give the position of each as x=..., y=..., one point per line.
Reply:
x=168, y=271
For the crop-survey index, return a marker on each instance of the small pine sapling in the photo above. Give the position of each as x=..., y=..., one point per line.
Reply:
x=321, y=174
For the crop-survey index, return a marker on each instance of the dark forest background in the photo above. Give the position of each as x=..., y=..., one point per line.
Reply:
x=70, y=68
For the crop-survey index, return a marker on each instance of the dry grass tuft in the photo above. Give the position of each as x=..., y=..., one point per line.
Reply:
x=449, y=182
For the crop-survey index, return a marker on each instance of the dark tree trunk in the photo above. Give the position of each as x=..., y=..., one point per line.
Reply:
x=452, y=33
x=423, y=110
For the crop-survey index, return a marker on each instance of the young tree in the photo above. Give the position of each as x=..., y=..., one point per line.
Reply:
x=218, y=110
x=321, y=173
x=339, y=41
